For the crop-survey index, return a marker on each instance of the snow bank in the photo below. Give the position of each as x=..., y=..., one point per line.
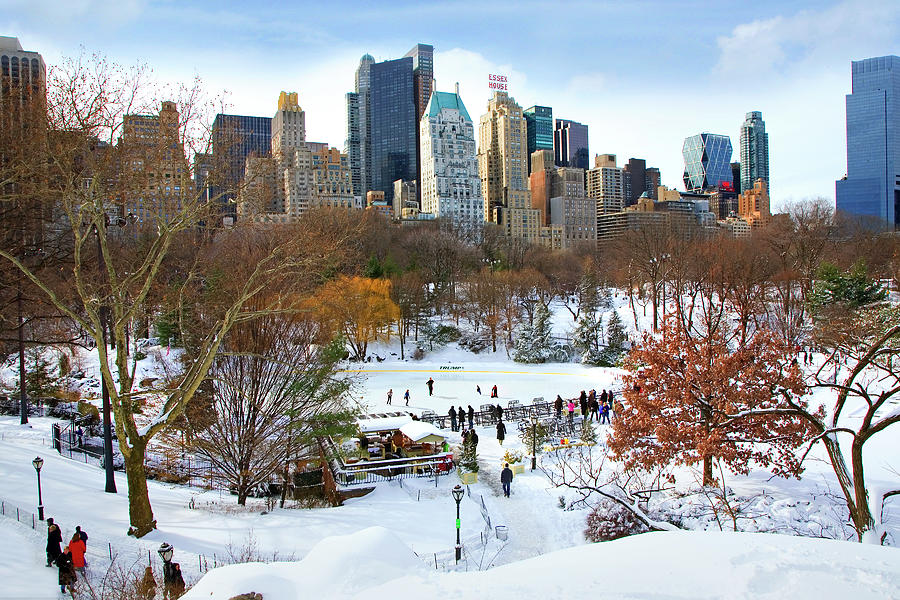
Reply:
x=338, y=566
x=689, y=565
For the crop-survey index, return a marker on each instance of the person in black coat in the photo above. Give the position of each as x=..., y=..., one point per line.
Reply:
x=557, y=406
x=461, y=415
x=506, y=477
x=499, y=410
x=501, y=432
x=473, y=437
x=66, y=570
x=452, y=413
x=471, y=417
x=54, y=541
x=430, y=384
x=583, y=404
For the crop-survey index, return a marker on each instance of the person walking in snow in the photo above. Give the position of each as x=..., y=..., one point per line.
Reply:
x=406, y=397
x=430, y=384
x=501, y=432
x=66, y=577
x=478, y=389
x=557, y=405
x=494, y=392
x=506, y=477
x=452, y=413
x=471, y=415
x=54, y=541
x=77, y=550
x=390, y=395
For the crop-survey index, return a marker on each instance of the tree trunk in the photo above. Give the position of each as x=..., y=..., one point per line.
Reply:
x=844, y=480
x=23, y=397
x=708, y=471
x=863, y=520
x=139, y=511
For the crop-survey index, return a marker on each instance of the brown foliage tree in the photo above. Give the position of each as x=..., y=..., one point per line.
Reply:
x=692, y=400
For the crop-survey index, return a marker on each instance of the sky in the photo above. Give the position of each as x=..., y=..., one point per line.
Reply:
x=643, y=74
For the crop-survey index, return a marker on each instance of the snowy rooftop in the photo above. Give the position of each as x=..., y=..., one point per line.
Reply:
x=419, y=431
x=389, y=423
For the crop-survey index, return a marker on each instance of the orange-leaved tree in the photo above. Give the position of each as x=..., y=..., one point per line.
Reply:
x=692, y=399
x=358, y=308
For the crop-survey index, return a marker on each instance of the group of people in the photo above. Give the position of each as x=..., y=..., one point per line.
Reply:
x=69, y=560
x=591, y=407
x=458, y=418
x=390, y=395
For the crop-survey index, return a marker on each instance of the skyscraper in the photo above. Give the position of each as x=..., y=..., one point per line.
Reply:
x=502, y=144
x=423, y=76
x=23, y=76
x=359, y=128
x=872, y=185
x=606, y=184
x=423, y=84
x=570, y=144
x=754, y=151
x=707, y=162
x=393, y=124
x=451, y=187
x=539, y=128
x=234, y=138
x=639, y=179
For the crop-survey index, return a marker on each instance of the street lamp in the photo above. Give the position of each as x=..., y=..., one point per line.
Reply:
x=38, y=462
x=534, y=424
x=104, y=391
x=165, y=553
x=458, y=494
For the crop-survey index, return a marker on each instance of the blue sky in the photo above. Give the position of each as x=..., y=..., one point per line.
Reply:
x=642, y=74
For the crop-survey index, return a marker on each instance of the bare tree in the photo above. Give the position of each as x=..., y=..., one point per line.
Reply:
x=89, y=99
x=274, y=390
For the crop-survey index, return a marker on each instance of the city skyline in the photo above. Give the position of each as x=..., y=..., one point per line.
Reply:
x=631, y=85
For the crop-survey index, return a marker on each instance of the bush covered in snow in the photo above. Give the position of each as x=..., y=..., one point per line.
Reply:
x=611, y=521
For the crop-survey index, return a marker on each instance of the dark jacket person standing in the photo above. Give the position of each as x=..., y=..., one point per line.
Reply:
x=54, y=541
x=452, y=413
x=501, y=432
x=471, y=417
x=506, y=477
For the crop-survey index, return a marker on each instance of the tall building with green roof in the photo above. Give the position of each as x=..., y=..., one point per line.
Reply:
x=451, y=186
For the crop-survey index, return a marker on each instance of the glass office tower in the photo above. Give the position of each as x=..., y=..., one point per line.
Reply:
x=707, y=162
x=539, y=130
x=754, y=152
x=872, y=185
x=393, y=129
x=234, y=138
x=570, y=144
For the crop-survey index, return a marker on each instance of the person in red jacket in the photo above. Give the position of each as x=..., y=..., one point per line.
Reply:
x=77, y=549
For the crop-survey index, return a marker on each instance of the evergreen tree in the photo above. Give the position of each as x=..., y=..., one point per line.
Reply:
x=616, y=342
x=588, y=434
x=586, y=338
x=851, y=289
x=534, y=343
x=468, y=462
x=39, y=382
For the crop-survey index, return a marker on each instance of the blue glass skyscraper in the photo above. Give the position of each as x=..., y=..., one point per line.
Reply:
x=872, y=185
x=707, y=162
x=392, y=109
x=234, y=138
x=539, y=130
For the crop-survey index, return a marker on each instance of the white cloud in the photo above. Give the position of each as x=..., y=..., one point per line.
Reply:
x=811, y=39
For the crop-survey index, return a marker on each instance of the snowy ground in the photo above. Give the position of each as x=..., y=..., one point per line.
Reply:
x=419, y=517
